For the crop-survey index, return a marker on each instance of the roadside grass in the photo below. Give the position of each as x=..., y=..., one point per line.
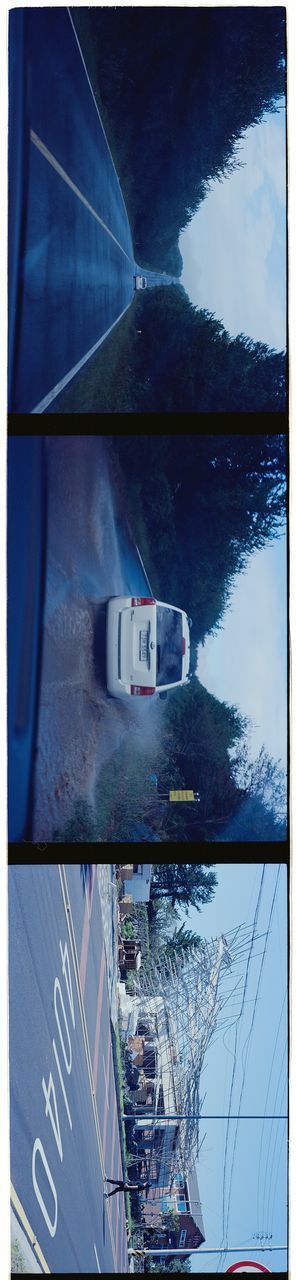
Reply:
x=122, y=795
x=81, y=827
x=142, y=535
x=106, y=383
x=128, y=493
x=18, y=1264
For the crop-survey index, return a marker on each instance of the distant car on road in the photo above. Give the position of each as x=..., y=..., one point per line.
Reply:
x=147, y=647
x=140, y=282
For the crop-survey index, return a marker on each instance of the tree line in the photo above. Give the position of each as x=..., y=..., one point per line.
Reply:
x=208, y=502
x=184, y=361
x=178, y=87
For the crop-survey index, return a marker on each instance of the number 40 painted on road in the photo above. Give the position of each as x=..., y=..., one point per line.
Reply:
x=49, y=1090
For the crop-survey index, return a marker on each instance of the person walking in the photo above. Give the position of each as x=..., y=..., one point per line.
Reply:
x=119, y=1185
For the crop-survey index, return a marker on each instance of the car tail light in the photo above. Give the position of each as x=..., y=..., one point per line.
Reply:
x=143, y=600
x=183, y=645
x=141, y=690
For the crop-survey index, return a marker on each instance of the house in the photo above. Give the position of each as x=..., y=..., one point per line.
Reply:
x=182, y=1198
x=129, y=956
x=158, y=1138
x=138, y=880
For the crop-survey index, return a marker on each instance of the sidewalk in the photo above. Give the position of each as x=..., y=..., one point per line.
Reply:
x=108, y=898
x=23, y=1257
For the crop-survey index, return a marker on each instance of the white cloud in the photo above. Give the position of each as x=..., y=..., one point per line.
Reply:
x=234, y=250
x=245, y=664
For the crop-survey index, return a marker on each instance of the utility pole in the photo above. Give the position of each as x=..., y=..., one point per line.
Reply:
x=149, y=1120
x=275, y=1248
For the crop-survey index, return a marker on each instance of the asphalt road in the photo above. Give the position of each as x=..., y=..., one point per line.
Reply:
x=26, y=562
x=63, y=1140
x=90, y=556
x=71, y=261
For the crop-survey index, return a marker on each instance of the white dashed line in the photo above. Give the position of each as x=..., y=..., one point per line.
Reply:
x=97, y=1260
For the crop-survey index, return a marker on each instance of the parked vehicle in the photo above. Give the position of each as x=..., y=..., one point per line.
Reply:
x=140, y=282
x=147, y=647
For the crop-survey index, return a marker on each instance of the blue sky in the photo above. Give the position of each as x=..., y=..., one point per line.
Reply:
x=234, y=251
x=245, y=664
x=258, y=1191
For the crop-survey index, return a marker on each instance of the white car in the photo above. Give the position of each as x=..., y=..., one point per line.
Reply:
x=140, y=282
x=147, y=647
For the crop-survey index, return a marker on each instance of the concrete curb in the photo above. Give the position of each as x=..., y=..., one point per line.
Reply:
x=23, y=1258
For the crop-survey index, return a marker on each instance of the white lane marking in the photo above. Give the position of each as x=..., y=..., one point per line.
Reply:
x=27, y=1227
x=43, y=404
x=106, y=1085
x=96, y=105
x=20, y=1244
x=71, y=932
x=97, y=1260
x=48, y=155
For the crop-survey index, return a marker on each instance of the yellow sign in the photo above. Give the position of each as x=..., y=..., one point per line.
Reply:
x=181, y=795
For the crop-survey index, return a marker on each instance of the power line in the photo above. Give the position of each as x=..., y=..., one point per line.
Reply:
x=268, y=1088
x=189, y=1115
x=267, y=1169
x=275, y=1188
x=247, y=1042
x=273, y=1248
x=255, y=919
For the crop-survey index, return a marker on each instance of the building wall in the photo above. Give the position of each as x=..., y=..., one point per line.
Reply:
x=139, y=884
x=159, y=1140
x=152, y=1209
x=193, y=1234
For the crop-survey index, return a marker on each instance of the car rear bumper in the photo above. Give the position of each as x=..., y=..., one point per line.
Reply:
x=115, y=684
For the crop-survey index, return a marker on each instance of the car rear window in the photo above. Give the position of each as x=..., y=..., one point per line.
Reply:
x=169, y=645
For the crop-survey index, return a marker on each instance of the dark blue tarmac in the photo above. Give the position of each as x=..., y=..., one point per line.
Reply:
x=68, y=280
x=37, y=924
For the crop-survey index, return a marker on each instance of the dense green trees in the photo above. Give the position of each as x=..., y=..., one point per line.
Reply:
x=178, y=86
x=263, y=812
x=186, y=362
x=253, y=821
x=176, y=1264
x=182, y=882
x=198, y=734
x=207, y=503
x=181, y=940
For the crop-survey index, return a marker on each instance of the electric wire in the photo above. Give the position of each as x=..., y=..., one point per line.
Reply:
x=247, y=1047
x=193, y=1013
x=267, y=1096
x=269, y=1165
x=255, y=919
x=277, y=1169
